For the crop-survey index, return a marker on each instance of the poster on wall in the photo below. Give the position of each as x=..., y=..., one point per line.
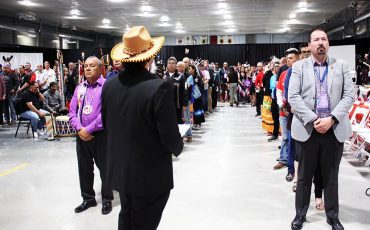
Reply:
x=203, y=40
x=225, y=39
x=184, y=40
x=17, y=59
x=230, y=39
x=221, y=39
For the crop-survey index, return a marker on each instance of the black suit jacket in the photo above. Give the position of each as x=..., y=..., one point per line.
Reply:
x=142, y=131
x=72, y=81
x=180, y=94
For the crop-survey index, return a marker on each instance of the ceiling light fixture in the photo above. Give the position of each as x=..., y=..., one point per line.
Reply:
x=107, y=27
x=293, y=21
x=116, y=1
x=146, y=8
x=164, y=18
x=106, y=21
x=222, y=5
x=231, y=30
x=302, y=4
x=74, y=17
x=27, y=3
x=165, y=24
x=64, y=36
x=286, y=28
x=179, y=31
x=75, y=12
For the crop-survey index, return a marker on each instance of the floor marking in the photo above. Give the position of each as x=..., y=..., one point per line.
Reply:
x=14, y=169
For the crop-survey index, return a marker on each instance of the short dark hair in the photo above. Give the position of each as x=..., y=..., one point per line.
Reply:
x=52, y=84
x=314, y=30
x=194, y=68
x=304, y=44
x=32, y=83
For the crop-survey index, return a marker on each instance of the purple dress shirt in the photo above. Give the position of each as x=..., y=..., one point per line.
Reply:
x=78, y=120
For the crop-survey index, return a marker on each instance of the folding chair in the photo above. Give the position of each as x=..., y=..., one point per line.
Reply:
x=22, y=120
x=358, y=122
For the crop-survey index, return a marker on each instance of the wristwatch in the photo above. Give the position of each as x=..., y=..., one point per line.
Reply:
x=333, y=118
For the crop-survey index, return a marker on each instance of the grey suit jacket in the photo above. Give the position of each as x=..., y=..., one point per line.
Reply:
x=302, y=98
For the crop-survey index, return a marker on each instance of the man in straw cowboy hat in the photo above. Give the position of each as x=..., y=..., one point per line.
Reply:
x=139, y=116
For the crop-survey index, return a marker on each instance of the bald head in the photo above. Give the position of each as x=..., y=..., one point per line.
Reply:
x=181, y=67
x=186, y=60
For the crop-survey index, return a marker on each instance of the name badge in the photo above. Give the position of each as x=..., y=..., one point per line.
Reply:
x=87, y=109
x=322, y=105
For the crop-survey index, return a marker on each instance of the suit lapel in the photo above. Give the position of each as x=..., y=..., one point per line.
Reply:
x=311, y=75
x=331, y=69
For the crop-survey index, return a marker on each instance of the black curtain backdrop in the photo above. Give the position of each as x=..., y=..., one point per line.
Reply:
x=251, y=53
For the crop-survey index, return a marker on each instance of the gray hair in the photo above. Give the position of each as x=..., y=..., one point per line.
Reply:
x=99, y=61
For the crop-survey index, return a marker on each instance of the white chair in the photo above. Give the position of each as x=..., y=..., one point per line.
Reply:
x=357, y=126
x=362, y=153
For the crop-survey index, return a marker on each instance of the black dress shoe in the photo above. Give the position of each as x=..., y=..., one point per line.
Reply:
x=289, y=177
x=297, y=223
x=335, y=224
x=107, y=207
x=272, y=138
x=85, y=205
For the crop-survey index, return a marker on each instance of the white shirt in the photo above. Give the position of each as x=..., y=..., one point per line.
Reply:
x=49, y=76
x=206, y=77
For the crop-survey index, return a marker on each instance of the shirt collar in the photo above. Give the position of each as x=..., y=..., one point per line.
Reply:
x=100, y=81
x=317, y=64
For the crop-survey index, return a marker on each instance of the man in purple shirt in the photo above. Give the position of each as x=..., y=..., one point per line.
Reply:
x=85, y=118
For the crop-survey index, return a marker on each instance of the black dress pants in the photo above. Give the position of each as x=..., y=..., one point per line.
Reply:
x=141, y=212
x=89, y=152
x=324, y=151
x=214, y=97
x=259, y=102
x=317, y=181
x=275, y=117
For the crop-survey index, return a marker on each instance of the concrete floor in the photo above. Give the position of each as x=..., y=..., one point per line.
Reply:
x=223, y=180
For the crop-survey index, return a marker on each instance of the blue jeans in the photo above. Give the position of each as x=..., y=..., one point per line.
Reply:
x=291, y=154
x=9, y=105
x=36, y=121
x=284, y=142
x=187, y=118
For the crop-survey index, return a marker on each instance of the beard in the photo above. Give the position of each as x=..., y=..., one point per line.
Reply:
x=321, y=50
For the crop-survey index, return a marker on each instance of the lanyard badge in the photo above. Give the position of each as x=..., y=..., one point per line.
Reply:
x=322, y=98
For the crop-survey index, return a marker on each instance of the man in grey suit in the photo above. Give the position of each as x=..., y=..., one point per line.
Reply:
x=320, y=94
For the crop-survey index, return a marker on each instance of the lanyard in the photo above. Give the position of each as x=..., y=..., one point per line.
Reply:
x=85, y=96
x=323, y=77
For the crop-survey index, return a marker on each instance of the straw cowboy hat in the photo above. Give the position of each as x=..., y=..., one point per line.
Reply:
x=137, y=46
